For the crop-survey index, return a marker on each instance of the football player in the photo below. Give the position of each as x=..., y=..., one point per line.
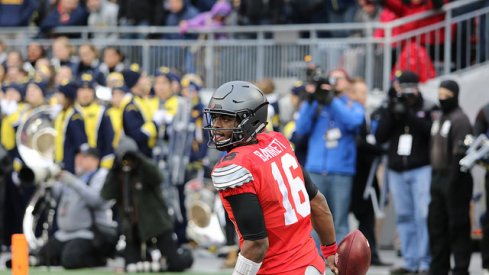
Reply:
x=271, y=201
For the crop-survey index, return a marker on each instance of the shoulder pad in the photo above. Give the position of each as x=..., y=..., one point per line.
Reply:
x=230, y=176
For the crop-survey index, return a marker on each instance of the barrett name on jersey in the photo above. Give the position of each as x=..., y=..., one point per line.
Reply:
x=270, y=170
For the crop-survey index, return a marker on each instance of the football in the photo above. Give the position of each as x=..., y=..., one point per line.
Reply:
x=353, y=254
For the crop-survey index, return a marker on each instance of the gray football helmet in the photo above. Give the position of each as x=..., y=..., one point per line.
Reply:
x=246, y=103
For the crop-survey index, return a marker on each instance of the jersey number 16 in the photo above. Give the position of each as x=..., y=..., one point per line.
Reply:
x=296, y=187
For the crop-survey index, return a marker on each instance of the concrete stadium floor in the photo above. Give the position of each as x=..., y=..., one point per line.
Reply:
x=209, y=263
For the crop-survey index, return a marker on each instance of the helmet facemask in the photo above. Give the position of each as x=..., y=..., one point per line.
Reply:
x=247, y=126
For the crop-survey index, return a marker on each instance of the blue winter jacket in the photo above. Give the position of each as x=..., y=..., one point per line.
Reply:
x=173, y=19
x=17, y=12
x=78, y=17
x=314, y=121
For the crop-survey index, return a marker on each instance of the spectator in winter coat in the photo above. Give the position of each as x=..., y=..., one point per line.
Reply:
x=16, y=13
x=406, y=8
x=180, y=10
x=102, y=14
x=140, y=12
x=213, y=19
x=67, y=13
x=368, y=12
x=340, y=12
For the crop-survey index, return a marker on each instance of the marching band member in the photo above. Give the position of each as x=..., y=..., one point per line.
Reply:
x=69, y=126
x=138, y=113
x=98, y=126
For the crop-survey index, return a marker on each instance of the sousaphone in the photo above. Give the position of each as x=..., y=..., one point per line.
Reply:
x=35, y=143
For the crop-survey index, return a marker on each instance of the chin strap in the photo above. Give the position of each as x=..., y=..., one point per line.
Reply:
x=245, y=266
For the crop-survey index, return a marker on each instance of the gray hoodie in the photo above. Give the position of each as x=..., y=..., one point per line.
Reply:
x=73, y=214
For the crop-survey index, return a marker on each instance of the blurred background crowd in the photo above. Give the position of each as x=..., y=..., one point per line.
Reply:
x=133, y=158
x=415, y=44
x=96, y=13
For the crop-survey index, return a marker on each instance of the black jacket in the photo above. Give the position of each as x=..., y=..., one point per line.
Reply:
x=416, y=121
x=448, y=134
x=137, y=11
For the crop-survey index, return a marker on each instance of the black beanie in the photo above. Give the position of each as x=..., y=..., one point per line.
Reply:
x=450, y=85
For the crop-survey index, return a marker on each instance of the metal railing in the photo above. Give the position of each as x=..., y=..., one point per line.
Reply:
x=252, y=52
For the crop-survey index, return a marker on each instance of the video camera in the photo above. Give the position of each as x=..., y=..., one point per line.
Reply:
x=477, y=152
x=401, y=100
x=316, y=76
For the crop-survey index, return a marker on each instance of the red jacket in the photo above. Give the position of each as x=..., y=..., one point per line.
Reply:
x=401, y=9
x=387, y=16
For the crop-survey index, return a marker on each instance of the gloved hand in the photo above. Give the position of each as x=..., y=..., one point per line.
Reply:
x=55, y=110
x=162, y=117
x=68, y=178
x=8, y=107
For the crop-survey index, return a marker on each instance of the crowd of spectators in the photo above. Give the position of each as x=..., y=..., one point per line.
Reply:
x=100, y=13
x=424, y=51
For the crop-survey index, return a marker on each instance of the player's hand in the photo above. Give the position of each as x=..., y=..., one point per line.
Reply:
x=331, y=262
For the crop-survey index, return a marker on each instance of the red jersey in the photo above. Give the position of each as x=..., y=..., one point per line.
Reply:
x=270, y=170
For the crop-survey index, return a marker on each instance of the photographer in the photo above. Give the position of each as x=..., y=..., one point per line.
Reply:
x=331, y=121
x=134, y=182
x=81, y=214
x=405, y=124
